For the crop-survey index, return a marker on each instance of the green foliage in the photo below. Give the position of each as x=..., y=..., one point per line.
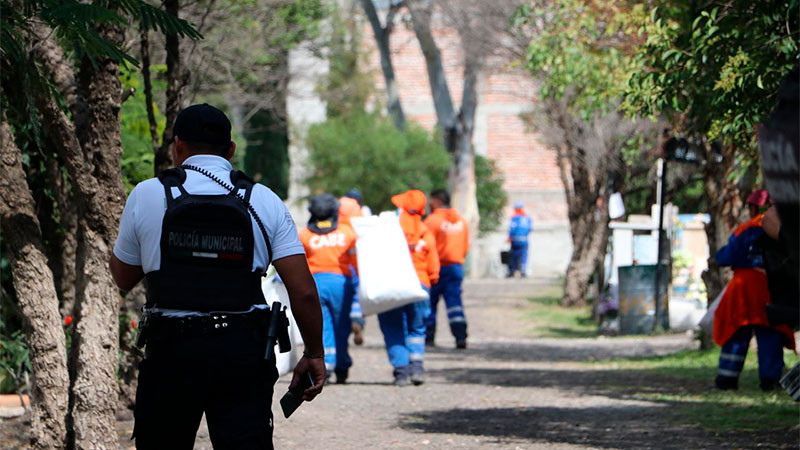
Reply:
x=581, y=51
x=266, y=157
x=14, y=359
x=137, y=145
x=76, y=23
x=365, y=151
x=680, y=380
x=550, y=319
x=492, y=197
x=714, y=66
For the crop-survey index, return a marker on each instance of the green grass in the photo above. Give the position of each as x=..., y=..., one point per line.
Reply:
x=550, y=319
x=747, y=409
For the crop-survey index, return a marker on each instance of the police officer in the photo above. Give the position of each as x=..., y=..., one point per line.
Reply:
x=202, y=235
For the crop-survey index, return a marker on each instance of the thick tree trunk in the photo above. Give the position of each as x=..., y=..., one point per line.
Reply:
x=65, y=271
x=96, y=345
x=589, y=241
x=33, y=282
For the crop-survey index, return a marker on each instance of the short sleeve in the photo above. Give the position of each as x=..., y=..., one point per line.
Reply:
x=127, y=248
x=284, y=239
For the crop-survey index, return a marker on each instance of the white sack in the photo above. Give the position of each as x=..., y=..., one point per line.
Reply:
x=707, y=322
x=275, y=291
x=386, y=276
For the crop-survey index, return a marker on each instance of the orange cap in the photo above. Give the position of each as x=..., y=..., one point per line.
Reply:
x=412, y=201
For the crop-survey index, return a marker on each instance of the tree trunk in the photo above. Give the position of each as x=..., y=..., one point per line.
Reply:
x=96, y=344
x=589, y=241
x=724, y=214
x=382, y=35
x=33, y=282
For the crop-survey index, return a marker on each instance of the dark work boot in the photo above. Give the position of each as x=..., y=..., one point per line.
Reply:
x=726, y=383
x=768, y=384
x=401, y=376
x=417, y=373
x=430, y=334
x=461, y=344
x=341, y=376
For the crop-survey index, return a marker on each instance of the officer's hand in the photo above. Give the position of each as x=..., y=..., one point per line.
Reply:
x=318, y=373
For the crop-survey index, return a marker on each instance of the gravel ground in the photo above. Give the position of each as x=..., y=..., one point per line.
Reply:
x=506, y=391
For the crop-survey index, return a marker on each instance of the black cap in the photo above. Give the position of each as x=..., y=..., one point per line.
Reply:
x=203, y=124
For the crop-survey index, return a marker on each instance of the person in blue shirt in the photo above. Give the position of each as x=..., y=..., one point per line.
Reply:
x=521, y=227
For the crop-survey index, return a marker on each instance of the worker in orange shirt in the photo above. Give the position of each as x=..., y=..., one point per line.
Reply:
x=404, y=327
x=331, y=252
x=349, y=207
x=452, y=243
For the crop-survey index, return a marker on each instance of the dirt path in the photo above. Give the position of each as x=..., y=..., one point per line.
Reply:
x=507, y=391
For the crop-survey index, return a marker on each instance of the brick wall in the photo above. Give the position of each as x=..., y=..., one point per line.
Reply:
x=530, y=169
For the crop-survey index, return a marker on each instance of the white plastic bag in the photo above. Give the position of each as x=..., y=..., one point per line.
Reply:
x=275, y=291
x=387, y=278
x=707, y=322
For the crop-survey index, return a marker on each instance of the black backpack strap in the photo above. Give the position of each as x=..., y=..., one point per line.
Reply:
x=170, y=178
x=241, y=180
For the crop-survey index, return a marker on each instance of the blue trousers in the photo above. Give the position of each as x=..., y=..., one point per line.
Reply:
x=519, y=257
x=770, y=353
x=450, y=278
x=335, y=297
x=404, y=335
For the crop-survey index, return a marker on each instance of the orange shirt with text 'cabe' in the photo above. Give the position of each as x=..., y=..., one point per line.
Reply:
x=332, y=252
x=451, y=233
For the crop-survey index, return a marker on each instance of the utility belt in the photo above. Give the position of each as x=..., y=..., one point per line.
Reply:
x=155, y=326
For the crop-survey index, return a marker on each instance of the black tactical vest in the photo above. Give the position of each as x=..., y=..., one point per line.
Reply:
x=206, y=250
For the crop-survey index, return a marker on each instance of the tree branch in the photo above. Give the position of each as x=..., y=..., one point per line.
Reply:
x=148, y=88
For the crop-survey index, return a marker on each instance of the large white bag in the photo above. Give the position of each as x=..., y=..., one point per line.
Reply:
x=707, y=321
x=386, y=275
x=275, y=291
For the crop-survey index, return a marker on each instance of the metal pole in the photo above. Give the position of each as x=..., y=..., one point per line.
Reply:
x=662, y=189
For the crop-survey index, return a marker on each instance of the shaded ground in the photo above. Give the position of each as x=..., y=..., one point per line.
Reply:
x=509, y=390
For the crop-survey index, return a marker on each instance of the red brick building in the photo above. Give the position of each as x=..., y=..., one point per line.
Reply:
x=530, y=168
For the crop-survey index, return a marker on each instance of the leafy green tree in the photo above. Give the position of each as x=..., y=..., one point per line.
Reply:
x=367, y=152
x=713, y=68
x=579, y=51
x=492, y=197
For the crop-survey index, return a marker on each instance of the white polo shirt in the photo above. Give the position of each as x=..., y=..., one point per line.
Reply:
x=139, y=240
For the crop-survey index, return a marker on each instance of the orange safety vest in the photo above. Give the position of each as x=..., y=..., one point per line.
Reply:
x=451, y=233
x=333, y=252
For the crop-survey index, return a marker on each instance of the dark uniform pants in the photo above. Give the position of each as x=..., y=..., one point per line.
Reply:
x=223, y=375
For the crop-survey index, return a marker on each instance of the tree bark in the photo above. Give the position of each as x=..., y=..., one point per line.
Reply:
x=177, y=78
x=65, y=280
x=456, y=129
x=382, y=35
x=589, y=240
x=96, y=345
x=33, y=282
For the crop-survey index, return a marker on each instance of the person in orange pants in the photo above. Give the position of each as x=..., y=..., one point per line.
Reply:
x=331, y=253
x=742, y=311
x=404, y=327
x=452, y=243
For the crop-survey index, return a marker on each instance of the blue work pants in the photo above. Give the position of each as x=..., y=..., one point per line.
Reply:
x=356, y=315
x=770, y=353
x=519, y=257
x=450, y=278
x=335, y=297
x=404, y=335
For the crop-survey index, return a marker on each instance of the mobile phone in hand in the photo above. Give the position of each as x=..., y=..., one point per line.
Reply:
x=293, y=398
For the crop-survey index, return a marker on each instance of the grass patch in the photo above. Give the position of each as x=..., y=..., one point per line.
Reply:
x=748, y=409
x=550, y=319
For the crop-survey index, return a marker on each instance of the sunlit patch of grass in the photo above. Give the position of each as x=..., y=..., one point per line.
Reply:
x=550, y=319
x=747, y=409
